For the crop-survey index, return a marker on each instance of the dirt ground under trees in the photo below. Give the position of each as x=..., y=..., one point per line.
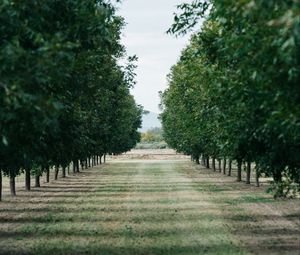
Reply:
x=148, y=203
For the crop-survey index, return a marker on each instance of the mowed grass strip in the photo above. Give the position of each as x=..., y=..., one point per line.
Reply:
x=141, y=207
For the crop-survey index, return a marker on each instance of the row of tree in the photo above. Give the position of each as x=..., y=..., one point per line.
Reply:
x=64, y=97
x=234, y=94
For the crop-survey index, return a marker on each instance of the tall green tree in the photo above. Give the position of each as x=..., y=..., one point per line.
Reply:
x=243, y=70
x=62, y=92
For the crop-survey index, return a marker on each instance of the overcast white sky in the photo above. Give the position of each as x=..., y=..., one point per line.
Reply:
x=145, y=36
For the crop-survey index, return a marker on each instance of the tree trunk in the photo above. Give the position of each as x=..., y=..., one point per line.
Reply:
x=197, y=160
x=207, y=162
x=0, y=185
x=203, y=160
x=63, y=172
x=248, y=172
x=229, y=167
x=74, y=166
x=12, y=185
x=239, y=171
x=27, y=179
x=37, y=181
x=77, y=166
x=257, y=178
x=224, y=166
x=85, y=164
x=100, y=159
x=214, y=163
x=56, y=172
x=277, y=175
x=220, y=163
x=89, y=161
x=47, y=174
x=68, y=169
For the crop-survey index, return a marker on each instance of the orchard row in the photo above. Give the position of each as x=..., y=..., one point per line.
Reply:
x=234, y=94
x=64, y=96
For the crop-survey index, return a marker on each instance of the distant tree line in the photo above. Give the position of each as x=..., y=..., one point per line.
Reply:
x=234, y=95
x=64, y=97
x=152, y=139
x=152, y=135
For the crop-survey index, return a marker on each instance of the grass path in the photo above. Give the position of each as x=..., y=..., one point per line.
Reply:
x=148, y=207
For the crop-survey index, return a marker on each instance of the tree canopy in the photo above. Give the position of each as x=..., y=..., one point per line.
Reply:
x=63, y=94
x=235, y=93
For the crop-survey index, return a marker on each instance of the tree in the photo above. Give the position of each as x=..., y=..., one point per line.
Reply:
x=62, y=92
x=234, y=91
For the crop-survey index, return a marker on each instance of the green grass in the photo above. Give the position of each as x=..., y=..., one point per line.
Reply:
x=248, y=199
x=146, y=207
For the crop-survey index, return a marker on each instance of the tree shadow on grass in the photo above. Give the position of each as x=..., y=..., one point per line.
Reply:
x=66, y=248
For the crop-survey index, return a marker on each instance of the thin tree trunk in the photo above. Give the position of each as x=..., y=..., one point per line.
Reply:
x=224, y=166
x=74, y=166
x=63, y=172
x=203, y=160
x=257, y=177
x=197, y=160
x=85, y=164
x=56, y=172
x=239, y=171
x=27, y=179
x=100, y=159
x=77, y=166
x=214, y=163
x=68, y=170
x=47, y=174
x=12, y=185
x=0, y=185
x=229, y=167
x=277, y=176
x=89, y=161
x=207, y=162
x=37, y=181
x=220, y=163
x=248, y=172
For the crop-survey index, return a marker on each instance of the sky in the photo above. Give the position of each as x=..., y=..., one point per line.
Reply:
x=145, y=36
